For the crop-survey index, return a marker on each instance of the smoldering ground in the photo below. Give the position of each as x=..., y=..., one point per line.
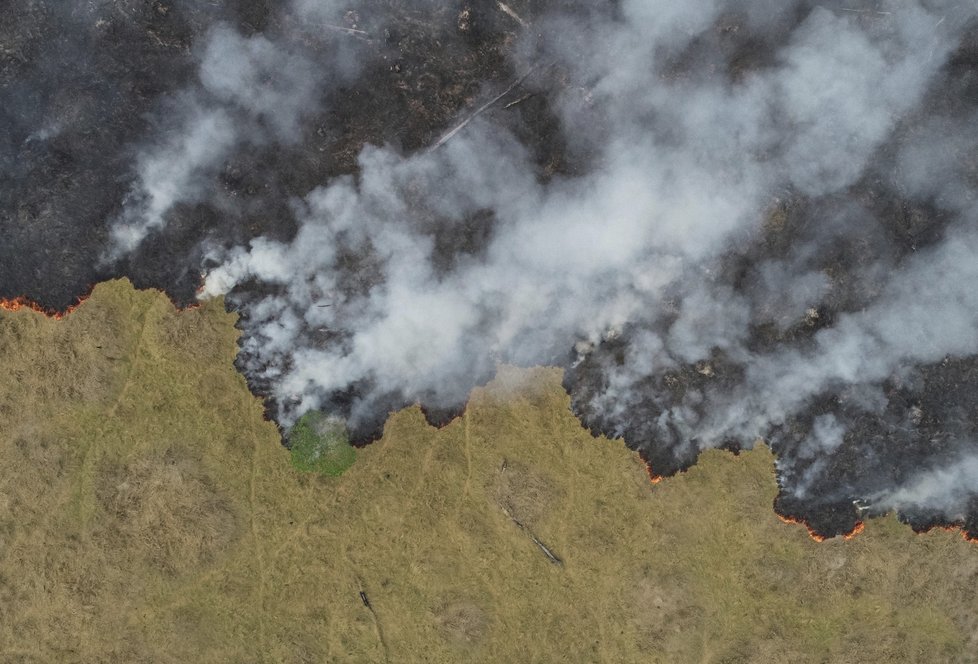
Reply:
x=726, y=221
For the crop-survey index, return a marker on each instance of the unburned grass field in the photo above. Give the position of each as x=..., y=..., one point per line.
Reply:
x=148, y=513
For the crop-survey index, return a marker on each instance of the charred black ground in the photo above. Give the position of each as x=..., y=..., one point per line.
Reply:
x=82, y=89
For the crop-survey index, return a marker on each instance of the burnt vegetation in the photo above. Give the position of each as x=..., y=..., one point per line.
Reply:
x=82, y=89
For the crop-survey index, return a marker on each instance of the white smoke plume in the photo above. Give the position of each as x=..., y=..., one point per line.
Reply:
x=694, y=123
x=250, y=90
x=172, y=173
x=946, y=489
x=928, y=310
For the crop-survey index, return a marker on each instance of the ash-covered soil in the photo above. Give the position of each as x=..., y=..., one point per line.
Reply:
x=87, y=91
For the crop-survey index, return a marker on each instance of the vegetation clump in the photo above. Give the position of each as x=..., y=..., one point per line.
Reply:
x=320, y=444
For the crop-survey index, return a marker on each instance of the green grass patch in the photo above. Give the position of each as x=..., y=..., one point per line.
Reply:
x=320, y=444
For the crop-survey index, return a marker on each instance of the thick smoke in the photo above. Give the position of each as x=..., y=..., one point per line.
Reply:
x=760, y=226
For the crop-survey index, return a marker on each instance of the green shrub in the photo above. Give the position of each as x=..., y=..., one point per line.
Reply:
x=321, y=444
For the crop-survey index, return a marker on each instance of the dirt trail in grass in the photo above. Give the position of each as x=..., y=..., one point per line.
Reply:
x=199, y=542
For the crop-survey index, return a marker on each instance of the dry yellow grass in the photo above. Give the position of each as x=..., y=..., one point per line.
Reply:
x=149, y=514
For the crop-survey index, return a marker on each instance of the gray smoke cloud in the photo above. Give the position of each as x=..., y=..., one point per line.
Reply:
x=696, y=124
x=927, y=311
x=946, y=490
x=172, y=173
x=250, y=90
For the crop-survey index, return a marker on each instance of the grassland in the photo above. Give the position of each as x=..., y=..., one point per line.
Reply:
x=148, y=513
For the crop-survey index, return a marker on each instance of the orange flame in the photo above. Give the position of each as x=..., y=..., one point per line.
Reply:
x=954, y=529
x=856, y=530
x=655, y=479
x=21, y=302
x=18, y=303
x=811, y=533
x=860, y=526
